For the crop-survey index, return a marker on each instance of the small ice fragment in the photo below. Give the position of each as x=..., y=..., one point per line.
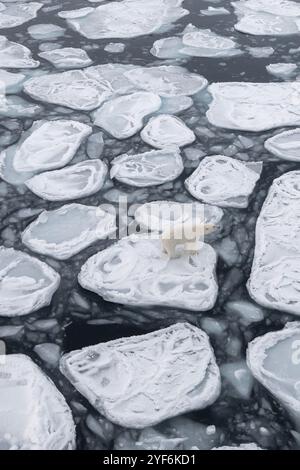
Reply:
x=115, y=47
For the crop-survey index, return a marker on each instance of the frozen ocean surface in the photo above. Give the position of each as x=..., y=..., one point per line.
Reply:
x=95, y=100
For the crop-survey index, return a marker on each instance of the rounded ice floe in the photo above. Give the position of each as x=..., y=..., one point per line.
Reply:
x=167, y=80
x=283, y=70
x=166, y=130
x=251, y=446
x=45, y=31
x=149, y=168
x=66, y=231
x=75, y=181
x=124, y=19
x=15, y=56
x=168, y=48
x=15, y=14
x=175, y=104
x=285, y=145
x=115, y=47
x=123, y=116
x=67, y=58
x=274, y=279
x=27, y=284
x=34, y=415
x=274, y=360
x=135, y=271
x=142, y=380
x=10, y=82
x=157, y=216
x=224, y=181
x=254, y=106
x=205, y=43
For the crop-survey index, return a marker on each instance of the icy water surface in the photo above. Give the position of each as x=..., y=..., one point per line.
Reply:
x=77, y=317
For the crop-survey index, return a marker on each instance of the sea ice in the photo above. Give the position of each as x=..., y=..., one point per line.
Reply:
x=205, y=43
x=168, y=48
x=73, y=182
x=122, y=117
x=64, y=232
x=67, y=58
x=135, y=271
x=260, y=52
x=115, y=47
x=15, y=56
x=283, y=70
x=251, y=446
x=34, y=415
x=212, y=11
x=10, y=82
x=254, y=106
x=285, y=145
x=149, y=168
x=175, y=104
x=15, y=14
x=14, y=106
x=224, y=181
x=165, y=130
x=142, y=380
x=45, y=32
x=27, y=284
x=239, y=378
x=274, y=279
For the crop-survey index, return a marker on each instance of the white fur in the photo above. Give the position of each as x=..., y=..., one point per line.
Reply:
x=186, y=234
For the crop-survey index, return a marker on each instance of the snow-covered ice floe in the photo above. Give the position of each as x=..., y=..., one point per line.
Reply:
x=64, y=232
x=140, y=381
x=224, y=181
x=45, y=31
x=254, y=106
x=282, y=69
x=123, y=117
x=274, y=360
x=274, y=279
x=27, y=284
x=165, y=130
x=251, y=446
x=125, y=19
x=285, y=145
x=47, y=145
x=73, y=182
x=135, y=271
x=15, y=56
x=11, y=82
x=34, y=415
x=262, y=17
x=67, y=58
x=15, y=14
x=148, y=169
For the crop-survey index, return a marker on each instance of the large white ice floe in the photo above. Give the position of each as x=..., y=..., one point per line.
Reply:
x=285, y=145
x=274, y=360
x=34, y=415
x=26, y=283
x=64, y=232
x=47, y=145
x=15, y=14
x=149, y=168
x=45, y=31
x=262, y=17
x=135, y=271
x=73, y=182
x=125, y=19
x=10, y=82
x=224, y=181
x=123, y=116
x=15, y=56
x=254, y=106
x=274, y=279
x=67, y=58
x=158, y=216
x=142, y=380
x=166, y=130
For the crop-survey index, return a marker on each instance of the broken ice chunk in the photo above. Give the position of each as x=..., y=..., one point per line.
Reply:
x=67, y=57
x=168, y=48
x=135, y=271
x=205, y=43
x=239, y=377
x=115, y=47
x=175, y=104
x=34, y=415
x=74, y=182
x=26, y=284
x=274, y=360
x=149, y=168
x=224, y=181
x=285, y=145
x=15, y=56
x=10, y=82
x=15, y=14
x=212, y=11
x=66, y=231
x=45, y=31
x=142, y=380
x=165, y=130
x=251, y=446
x=123, y=117
x=283, y=70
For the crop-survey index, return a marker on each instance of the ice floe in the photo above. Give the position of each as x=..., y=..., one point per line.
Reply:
x=11, y=82
x=251, y=446
x=175, y=104
x=165, y=130
x=213, y=11
x=224, y=181
x=73, y=182
x=135, y=271
x=15, y=56
x=27, y=284
x=125, y=19
x=46, y=31
x=239, y=378
x=254, y=106
x=274, y=279
x=274, y=360
x=285, y=145
x=34, y=415
x=67, y=58
x=15, y=14
x=149, y=168
x=142, y=380
x=64, y=232
x=115, y=47
x=14, y=106
x=283, y=70
x=122, y=117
